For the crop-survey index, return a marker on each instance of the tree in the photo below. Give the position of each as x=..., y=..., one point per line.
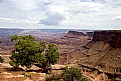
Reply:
x=1, y=60
x=28, y=52
x=51, y=56
x=72, y=74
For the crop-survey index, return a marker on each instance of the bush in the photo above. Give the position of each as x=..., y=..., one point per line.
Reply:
x=26, y=74
x=72, y=74
x=84, y=79
x=1, y=60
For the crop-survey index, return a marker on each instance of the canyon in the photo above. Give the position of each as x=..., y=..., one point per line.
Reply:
x=97, y=53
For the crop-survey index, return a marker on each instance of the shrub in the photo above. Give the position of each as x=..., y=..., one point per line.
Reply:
x=72, y=74
x=26, y=74
x=1, y=60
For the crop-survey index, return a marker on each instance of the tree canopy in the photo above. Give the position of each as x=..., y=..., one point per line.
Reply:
x=28, y=52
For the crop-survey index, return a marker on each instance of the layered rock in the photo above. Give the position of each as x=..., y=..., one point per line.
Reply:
x=111, y=37
x=90, y=34
x=76, y=33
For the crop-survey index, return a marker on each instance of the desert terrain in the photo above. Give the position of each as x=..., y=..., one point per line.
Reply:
x=96, y=53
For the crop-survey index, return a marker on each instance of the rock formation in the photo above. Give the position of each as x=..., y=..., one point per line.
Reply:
x=76, y=33
x=111, y=37
x=90, y=34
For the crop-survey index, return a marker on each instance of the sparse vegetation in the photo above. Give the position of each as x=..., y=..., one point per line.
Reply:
x=1, y=60
x=26, y=74
x=72, y=74
x=28, y=52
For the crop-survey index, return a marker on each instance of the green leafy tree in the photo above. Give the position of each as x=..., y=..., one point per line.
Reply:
x=72, y=74
x=51, y=56
x=28, y=52
x=1, y=60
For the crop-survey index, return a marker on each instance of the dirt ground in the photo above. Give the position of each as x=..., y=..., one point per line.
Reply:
x=7, y=75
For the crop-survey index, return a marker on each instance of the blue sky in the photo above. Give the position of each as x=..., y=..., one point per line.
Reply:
x=72, y=14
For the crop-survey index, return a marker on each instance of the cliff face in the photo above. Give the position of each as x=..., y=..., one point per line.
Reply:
x=76, y=33
x=103, y=52
x=90, y=34
x=111, y=37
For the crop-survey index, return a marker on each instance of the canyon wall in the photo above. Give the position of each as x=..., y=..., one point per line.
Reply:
x=90, y=34
x=112, y=37
x=76, y=33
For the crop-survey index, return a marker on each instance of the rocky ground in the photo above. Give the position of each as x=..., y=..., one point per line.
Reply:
x=97, y=59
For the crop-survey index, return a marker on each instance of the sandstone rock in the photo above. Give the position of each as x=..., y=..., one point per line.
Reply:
x=111, y=37
x=12, y=76
x=28, y=79
x=74, y=34
x=42, y=77
x=90, y=34
x=6, y=73
x=57, y=66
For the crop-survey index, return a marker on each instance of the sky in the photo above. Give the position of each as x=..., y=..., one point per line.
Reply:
x=61, y=14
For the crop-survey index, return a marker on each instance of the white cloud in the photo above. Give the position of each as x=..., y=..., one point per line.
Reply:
x=61, y=13
x=117, y=18
x=5, y=19
x=52, y=19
